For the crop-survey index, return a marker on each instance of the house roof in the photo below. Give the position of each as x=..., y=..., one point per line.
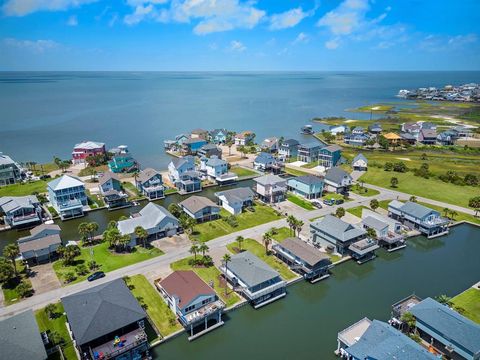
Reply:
x=101, y=310
x=396, y=204
x=374, y=223
x=243, y=134
x=178, y=162
x=196, y=203
x=338, y=228
x=20, y=338
x=6, y=160
x=238, y=194
x=359, y=157
x=199, y=131
x=332, y=148
x=147, y=174
x=89, y=145
x=375, y=126
x=150, y=216
x=428, y=133
x=40, y=243
x=268, y=179
x=186, y=286
x=106, y=177
x=12, y=203
x=407, y=136
x=290, y=142
x=413, y=209
x=65, y=182
x=209, y=147
x=194, y=141
x=306, y=252
x=428, y=125
x=37, y=229
x=392, y=136
x=336, y=174
x=264, y=158
x=307, y=179
x=311, y=145
x=449, y=323
x=215, y=132
x=269, y=141
x=215, y=161
x=250, y=269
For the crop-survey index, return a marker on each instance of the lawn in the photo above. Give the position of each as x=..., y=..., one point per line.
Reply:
x=383, y=204
x=106, y=259
x=43, y=169
x=470, y=301
x=364, y=191
x=209, y=275
x=93, y=170
x=310, y=165
x=300, y=202
x=333, y=196
x=295, y=172
x=242, y=172
x=170, y=191
x=23, y=189
x=216, y=228
x=9, y=289
x=131, y=190
x=259, y=250
x=157, y=309
x=282, y=233
x=357, y=211
x=58, y=325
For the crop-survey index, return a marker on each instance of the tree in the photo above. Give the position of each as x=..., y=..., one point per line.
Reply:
x=112, y=224
x=393, y=182
x=11, y=252
x=81, y=269
x=471, y=180
x=68, y=253
x=240, y=240
x=226, y=259
x=424, y=157
x=203, y=248
x=51, y=311
x=453, y=213
x=24, y=289
x=267, y=239
x=6, y=271
x=475, y=204
x=69, y=276
x=83, y=230
x=55, y=337
x=291, y=223
x=242, y=150
x=141, y=234
x=187, y=223
x=383, y=142
x=446, y=211
x=409, y=320
x=298, y=226
x=374, y=204
x=194, y=250
x=92, y=228
x=444, y=299
x=413, y=198
x=388, y=166
x=175, y=210
x=371, y=233
x=340, y=212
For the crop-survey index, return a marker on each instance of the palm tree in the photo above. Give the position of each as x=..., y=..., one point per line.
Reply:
x=374, y=204
x=240, y=240
x=141, y=234
x=11, y=252
x=291, y=222
x=413, y=198
x=194, y=250
x=203, y=248
x=340, y=212
x=187, y=223
x=267, y=239
x=112, y=224
x=298, y=226
x=446, y=211
x=92, y=228
x=444, y=299
x=394, y=182
x=69, y=253
x=83, y=230
x=453, y=213
x=226, y=259
x=175, y=210
x=410, y=320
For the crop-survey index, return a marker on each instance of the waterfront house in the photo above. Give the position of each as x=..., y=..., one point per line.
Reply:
x=337, y=180
x=307, y=186
x=446, y=138
x=288, y=149
x=338, y=129
x=200, y=208
x=428, y=136
x=217, y=169
x=358, y=130
x=20, y=338
x=427, y=221
x=308, y=152
x=85, y=149
x=375, y=129
x=412, y=129
x=254, y=279
x=175, y=144
x=150, y=184
x=270, y=188
x=356, y=139
x=244, y=138
x=10, y=171
x=393, y=139
x=264, y=162
x=218, y=136
x=270, y=144
x=109, y=181
x=193, y=301
x=189, y=182
x=360, y=163
x=388, y=231
x=20, y=211
x=209, y=150
x=41, y=245
x=376, y=339
x=380, y=228
x=122, y=161
x=192, y=146
x=303, y=258
x=111, y=189
x=199, y=134
x=67, y=196
x=407, y=138
x=178, y=166
x=107, y=322
x=450, y=333
x=329, y=156
x=235, y=200
x=155, y=219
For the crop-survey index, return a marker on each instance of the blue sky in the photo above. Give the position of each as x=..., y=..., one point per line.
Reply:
x=239, y=35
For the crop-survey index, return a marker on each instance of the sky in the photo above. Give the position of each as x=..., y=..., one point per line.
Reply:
x=238, y=35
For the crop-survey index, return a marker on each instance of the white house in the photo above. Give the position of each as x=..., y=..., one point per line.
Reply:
x=360, y=163
x=337, y=180
x=179, y=166
x=337, y=129
x=235, y=200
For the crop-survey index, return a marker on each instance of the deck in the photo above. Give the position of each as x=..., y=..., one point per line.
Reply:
x=109, y=350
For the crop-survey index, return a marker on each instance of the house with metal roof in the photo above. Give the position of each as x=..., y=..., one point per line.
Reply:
x=408, y=138
x=270, y=188
x=107, y=322
x=288, y=148
x=218, y=136
x=337, y=180
x=375, y=129
x=178, y=166
x=10, y=171
x=309, y=152
x=200, y=208
x=193, y=301
x=20, y=338
x=21, y=211
x=150, y=183
x=360, y=163
x=254, y=279
x=235, y=200
x=122, y=161
x=453, y=334
x=303, y=258
x=217, y=170
x=155, y=219
x=264, y=161
x=192, y=145
x=356, y=139
x=209, y=150
x=189, y=182
x=391, y=239
x=329, y=156
x=111, y=189
x=270, y=144
x=41, y=245
x=67, y=196
x=85, y=149
x=415, y=216
x=307, y=186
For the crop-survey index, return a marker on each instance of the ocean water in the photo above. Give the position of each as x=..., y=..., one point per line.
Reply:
x=43, y=114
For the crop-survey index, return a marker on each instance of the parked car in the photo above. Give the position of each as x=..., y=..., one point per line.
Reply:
x=96, y=275
x=317, y=204
x=329, y=202
x=339, y=201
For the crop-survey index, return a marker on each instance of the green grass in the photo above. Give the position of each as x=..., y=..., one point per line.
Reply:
x=209, y=275
x=282, y=234
x=106, y=259
x=10, y=293
x=157, y=309
x=374, y=108
x=213, y=229
x=91, y=170
x=300, y=202
x=23, y=189
x=334, y=196
x=47, y=168
x=259, y=250
x=334, y=258
x=364, y=191
x=295, y=172
x=58, y=325
x=131, y=190
x=383, y=204
x=242, y=172
x=470, y=301
x=310, y=165
x=171, y=191
x=357, y=211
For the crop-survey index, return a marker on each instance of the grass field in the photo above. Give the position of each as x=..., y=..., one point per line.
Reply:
x=209, y=275
x=157, y=309
x=9, y=289
x=43, y=169
x=213, y=229
x=106, y=259
x=364, y=191
x=57, y=324
x=23, y=189
x=91, y=170
x=282, y=234
x=470, y=301
x=357, y=211
x=259, y=250
x=132, y=191
x=300, y=202
x=295, y=172
x=242, y=172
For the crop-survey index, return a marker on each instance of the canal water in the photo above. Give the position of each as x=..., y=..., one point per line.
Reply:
x=304, y=325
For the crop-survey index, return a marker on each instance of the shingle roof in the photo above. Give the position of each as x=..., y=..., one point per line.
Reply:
x=332, y=148
x=12, y=203
x=39, y=228
x=428, y=133
x=106, y=177
x=415, y=209
x=196, y=203
x=209, y=147
x=147, y=174
x=178, y=162
x=449, y=323
x=250, y=269
x=290, y=142
x=215, y=161
x=264, y=158
x=268, y=179
x=65, y=182
x=6, y=160
x=310, y=145
x=237, y=194
x=374, y=223
x=359, y=157
x=40, y=243
x=301, y=249
x=20, y=338
x=307, y=179
x=150, y=216
x=338, y=228
x=336, y=174
x=101, y=310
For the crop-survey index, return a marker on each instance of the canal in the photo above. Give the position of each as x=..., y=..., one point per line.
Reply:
x=304, y=325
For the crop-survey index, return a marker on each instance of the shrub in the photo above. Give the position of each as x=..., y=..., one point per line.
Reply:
x=81, y=269
x=24, y=289
x=231, y=220
x=69, y=277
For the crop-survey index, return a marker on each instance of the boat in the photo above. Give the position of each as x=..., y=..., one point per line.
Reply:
x=307, y=130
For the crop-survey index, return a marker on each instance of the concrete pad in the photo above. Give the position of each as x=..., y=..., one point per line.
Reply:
x=172, y=243
x=298, y=163
x=44, y=279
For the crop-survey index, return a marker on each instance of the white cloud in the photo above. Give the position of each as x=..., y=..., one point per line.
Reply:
x=288, y=18
x=113, y=20
x=301, y=38
x=35, y=46
x=332, y=44
x=346, y=18
x=436, y=43
x=237, y=46
x=72, y=21
x=140, y=13
x=25, y=7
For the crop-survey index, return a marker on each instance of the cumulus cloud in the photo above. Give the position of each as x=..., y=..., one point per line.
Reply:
x=301, y=38
x=72, y=21
x=25, y=7
x=288, y=18
x=346, y=18
x=35, y=46
x=141, y=12
x=237, y=46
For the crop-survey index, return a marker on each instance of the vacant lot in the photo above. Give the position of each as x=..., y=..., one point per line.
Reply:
x=469, y=300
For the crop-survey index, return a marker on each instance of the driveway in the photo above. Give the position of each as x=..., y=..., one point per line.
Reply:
x=172, y=243
x=44, y=279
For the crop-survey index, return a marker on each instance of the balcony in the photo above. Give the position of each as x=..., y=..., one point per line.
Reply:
x=265, y=291
x=70, y=204
x=202, y=313
x=363, y=247
x=119, y=345
x=24, y=219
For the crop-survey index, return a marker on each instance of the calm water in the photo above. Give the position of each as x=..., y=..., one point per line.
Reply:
x=304, y=325
x=44, y=114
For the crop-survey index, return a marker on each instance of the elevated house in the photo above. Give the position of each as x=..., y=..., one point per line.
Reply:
x=244, y=138
x=67, y=196
x=360, y=163
x=193, y=301
x=307, y=186
x=20, y=338
x=219, y=136
x=189, y=182
x=41, y=245
x=412, y=129
x=428, y=136
x=175, y=144
x=10, y=172
x=428, y=221
x=309, y=152
x=150, y=183
x=337, y=180
x=407, y=138
x=393, y=139
x=21, y=211
x=356, y=139
x=270, y=145
x=338, y=129
x=193, y=145
x=264, y=161
x=178, y=166
x=200, y=208
x=303, y=258
x=388, y=232
x=107, y=322
x=209, y=150
x=235, y=200
x=329, y=156
x=85, y=149
x=375, y=129
x=123, y=161
x=111, y=189
x=358, y=130
x=270, y=188
x=254, y=279
x=288, y=148
x=199, y=134
x=217, y=170
x=446, y=138
x=155, y=219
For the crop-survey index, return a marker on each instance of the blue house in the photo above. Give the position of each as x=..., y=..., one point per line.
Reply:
x=109, y=181
x=264, y=161
x=308, y=186
x=375, y=129
x=150, y=183
x=20, y=211
x=360, y=163
x=218, y=136
x=309, y=152
x=356, y=139
x=178, y=166
x=288, y=148
x=200, y=208
x=111, y=189
x=67, y=196
x=329, y=156
x=189, y=182
x=192, y=146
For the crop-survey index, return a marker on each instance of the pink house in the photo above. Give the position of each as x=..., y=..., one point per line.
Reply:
x=87, y=148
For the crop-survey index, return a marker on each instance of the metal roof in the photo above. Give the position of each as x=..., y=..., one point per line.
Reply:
x=264, y=158
x=336, y=174
x=307, y=179
x=65, y=182
x=250, y=269
x=6, y=160
x=302, y=250
x=150, y=216
x=238, y=194
x=338, y=228
x=269, y=179
x=106, y=177
x=359, y=157
x=374, y=223
x=90, y=145
x=12, y=203
x=147, y=174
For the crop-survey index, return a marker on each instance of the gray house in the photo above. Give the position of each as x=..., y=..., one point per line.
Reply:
x=270, y=188
x=208, y=150
x=149, y=182
x=42, y=244
x=21, y=211
x=10, y=171
x=200, y=208
x=337, y=180
x=235, y=200
x=111, y=189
